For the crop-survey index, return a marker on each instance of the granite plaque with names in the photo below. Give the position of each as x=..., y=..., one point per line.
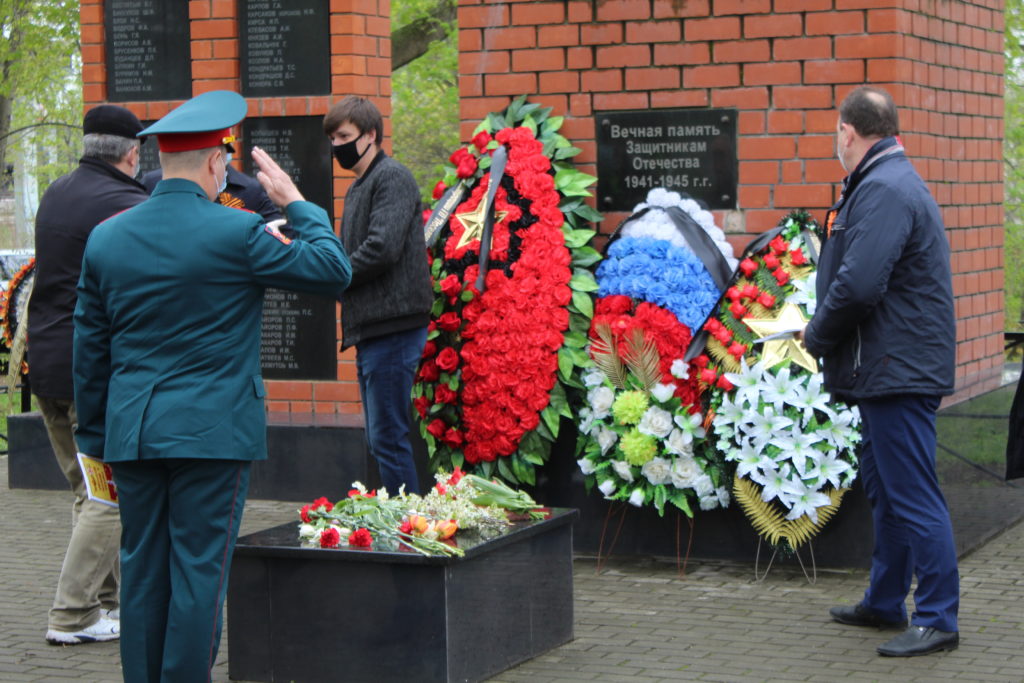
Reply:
x=149, y=153
x=148, y=50
x=690, y=151
x=284, y=47
x=299, y=330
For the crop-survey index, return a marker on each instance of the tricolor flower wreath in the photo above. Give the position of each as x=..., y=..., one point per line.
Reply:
x=499, y=365
x=793, y=445
x=643, y=423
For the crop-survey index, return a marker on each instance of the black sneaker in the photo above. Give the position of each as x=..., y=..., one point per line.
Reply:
x=859, y=615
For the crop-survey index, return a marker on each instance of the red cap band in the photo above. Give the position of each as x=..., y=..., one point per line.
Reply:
x=186, y=142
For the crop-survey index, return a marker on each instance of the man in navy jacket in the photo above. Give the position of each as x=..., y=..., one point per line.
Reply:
x=885, y=328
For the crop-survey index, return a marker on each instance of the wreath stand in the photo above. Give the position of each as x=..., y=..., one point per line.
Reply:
x=621, y=509
x=759, y=577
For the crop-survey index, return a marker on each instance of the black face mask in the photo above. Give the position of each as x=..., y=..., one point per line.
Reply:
x=347, y=154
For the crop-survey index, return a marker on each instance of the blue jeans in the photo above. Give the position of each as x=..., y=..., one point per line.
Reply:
x=913, y=534
x=386, y=367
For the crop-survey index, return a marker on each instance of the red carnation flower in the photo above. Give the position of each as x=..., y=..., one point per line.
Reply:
x=797, y=257
x=456, y=477
x=439, y=189
x=449, y=322
x=360, y=538
x=330, y=538
x=437, y=428
x=748, y=267
x=708, y=376
x=779, y=245
x=738, y=309
x=481, y=140
x=736, y=350
x=324, y=503
x=451, y=286
x=724, y=384
x=766, y=300
x=701, y=361
x=750, y=291
x=405, y=527
x=448, y=359
x=781, y=276
x=429, y=349
x=440, y=489
x=304, y=513
x=733, y=294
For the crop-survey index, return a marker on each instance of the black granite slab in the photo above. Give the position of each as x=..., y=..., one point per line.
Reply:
x=306, y=614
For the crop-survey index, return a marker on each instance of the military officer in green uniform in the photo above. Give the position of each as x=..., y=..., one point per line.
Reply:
x=167, y=375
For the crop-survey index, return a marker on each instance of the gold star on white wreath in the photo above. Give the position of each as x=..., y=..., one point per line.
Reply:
x=777, y=350
x=473, y=222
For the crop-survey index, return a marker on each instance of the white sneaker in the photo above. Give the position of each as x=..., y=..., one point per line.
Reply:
x=113, y=614
x=104, y=629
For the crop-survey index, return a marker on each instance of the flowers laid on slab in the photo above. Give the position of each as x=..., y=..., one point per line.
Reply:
x=426, y=524
x=641, y=429
x=13, y=311
x=505, y=350
x=792, y=444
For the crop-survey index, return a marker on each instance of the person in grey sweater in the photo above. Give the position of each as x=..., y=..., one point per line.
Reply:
x=386, y=309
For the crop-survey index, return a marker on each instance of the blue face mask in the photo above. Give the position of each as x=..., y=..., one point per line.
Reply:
x=224, y=183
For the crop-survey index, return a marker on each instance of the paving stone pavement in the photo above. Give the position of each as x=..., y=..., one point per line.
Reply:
x=634, y=620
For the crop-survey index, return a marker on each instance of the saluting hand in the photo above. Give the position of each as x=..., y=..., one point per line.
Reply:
x=277, y=184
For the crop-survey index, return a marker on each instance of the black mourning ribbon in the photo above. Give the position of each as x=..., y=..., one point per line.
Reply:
x=498, y=160
x=700, y=337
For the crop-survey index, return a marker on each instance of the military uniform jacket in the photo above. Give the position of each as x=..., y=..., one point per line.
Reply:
x=167, y=326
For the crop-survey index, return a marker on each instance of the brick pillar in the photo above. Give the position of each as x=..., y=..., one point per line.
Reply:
x=360, y=38
x=785, y=65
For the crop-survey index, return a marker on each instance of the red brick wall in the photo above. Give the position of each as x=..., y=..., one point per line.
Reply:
x=786, y=65
x=360, y=64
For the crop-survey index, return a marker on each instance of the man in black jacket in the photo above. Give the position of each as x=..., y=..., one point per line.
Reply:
x=885, y=327
x=386, y=308
x=85, y=608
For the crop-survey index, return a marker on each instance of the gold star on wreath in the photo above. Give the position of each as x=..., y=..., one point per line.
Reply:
x=777, y=350
x=473, y=222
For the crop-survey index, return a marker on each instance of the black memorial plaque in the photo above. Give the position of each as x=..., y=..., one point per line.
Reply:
x=284, y=47
x=299, y=330
x=148, y=51
x=690, y=151
x=149, y=153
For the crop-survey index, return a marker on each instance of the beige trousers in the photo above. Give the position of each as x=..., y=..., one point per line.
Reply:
x=91, y=574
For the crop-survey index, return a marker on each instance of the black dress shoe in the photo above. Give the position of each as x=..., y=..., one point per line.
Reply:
x=919, y=640
x=859, y=615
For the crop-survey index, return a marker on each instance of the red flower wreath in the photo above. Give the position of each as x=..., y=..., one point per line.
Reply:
x=490, y=368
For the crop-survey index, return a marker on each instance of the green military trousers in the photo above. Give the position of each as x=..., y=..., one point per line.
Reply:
x=180, y=520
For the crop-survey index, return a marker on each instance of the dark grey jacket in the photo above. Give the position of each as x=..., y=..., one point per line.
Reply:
x=70, y=208
x=884, y=323
x=382, y=230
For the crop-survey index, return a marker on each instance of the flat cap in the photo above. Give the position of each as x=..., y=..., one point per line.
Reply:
x=110, y=119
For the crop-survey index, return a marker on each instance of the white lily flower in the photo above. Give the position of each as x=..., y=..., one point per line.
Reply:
x=812, y=397
x=679, y=443
x=804, y=293
x=779, y=389
x=805, y=501
x=774, y=485
x=801, y=448
x=831, y=468
x=766, y=424
x=692, y=425
x=747, y=457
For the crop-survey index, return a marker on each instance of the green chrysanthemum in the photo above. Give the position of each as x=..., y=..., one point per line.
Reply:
x=629, y=407
x=638, y=447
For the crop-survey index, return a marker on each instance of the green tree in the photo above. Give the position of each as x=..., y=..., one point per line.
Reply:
x=40, y=84
x=425, y=93
x=1013, y=154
